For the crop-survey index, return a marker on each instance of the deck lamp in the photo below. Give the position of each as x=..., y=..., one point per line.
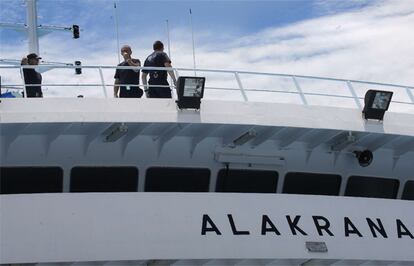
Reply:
x=78, y=70
x=244, y=138
x=376, y=103
x=115, y=132
x=190, y=90
x=75, y=30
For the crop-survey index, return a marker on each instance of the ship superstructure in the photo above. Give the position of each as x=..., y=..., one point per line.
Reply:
x=130, y=181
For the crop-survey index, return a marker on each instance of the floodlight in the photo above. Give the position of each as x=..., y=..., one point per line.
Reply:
x=115, y=132
x=78, y=70
x=75, y=30
x=364, y=157
x=376, y=103
x=190, y=90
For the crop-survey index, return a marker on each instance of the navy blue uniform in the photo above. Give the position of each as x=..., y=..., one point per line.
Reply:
x=158, y=77
x=31, y=76
x=128, y=76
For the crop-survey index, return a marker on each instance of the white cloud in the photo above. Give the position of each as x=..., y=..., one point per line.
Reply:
x=373, y=43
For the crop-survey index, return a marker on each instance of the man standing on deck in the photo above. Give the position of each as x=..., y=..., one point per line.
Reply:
x=157, y=77
x=129, y=77
x=31, y=76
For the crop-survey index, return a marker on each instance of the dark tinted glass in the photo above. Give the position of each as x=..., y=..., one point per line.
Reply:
x=166, y=179
x=249, y=181
x=15, y=180
x=373, y=187
x=311, y=183
x=104, y=179
x=408, y=193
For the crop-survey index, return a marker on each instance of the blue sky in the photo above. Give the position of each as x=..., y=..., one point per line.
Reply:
x=354, y=39
x=227, y=19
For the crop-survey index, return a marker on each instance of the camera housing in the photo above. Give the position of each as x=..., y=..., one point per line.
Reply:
x=365, y=157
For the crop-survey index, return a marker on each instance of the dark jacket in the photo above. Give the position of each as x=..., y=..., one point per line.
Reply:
x=31, y=76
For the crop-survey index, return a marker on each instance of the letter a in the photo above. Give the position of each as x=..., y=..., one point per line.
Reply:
x=353, y=230
x=266, y=221
x=400, y=232
x=212, y=228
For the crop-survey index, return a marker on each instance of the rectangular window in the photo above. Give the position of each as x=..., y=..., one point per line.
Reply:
x=104, y=179
x=169, y=179
x=312, y=183
x=373, y=187
x=408, y=193
x=248, y=181
x=17, y=180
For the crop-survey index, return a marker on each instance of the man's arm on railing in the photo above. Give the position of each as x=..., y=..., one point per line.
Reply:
x=172, y=75
x=144, y=82
x=116, y=88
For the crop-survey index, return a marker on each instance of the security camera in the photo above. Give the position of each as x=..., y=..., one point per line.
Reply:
x=364, y=157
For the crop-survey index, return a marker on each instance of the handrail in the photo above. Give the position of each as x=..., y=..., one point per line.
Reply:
x=235, y=74
x=213, y=71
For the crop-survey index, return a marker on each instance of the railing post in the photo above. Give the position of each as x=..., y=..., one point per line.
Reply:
x=351, y=89
x=103, y=82
x=176, y=77
x=236, y=74
x=176, y=73
x=410, y=94
x=302, y=95
x=24, y=83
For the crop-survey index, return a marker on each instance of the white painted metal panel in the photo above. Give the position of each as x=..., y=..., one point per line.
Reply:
x=49, y=110
x=140, y=226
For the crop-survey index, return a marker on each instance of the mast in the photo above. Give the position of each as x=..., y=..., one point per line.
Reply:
x=31, y=20
x=117, y=31
x=192, y=36
x=168, y=38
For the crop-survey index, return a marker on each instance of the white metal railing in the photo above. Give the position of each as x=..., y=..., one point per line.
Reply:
x=296, y=84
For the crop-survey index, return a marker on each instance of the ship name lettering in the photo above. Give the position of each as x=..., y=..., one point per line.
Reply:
x=321, y=224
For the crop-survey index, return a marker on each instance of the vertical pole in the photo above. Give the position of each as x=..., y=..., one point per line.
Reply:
x=192, y=35
x=117, y=31
x=103, y=82
x=24, y=83
x=31, y=21
x=302, y=96
x=168, y=38
x=410, y=94
x=236, y=74
x=351, y=89
x=169, y=45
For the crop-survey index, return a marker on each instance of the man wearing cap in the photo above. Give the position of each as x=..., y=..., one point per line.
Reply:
x=129, y=77
x=157, y=77
x=31, y=76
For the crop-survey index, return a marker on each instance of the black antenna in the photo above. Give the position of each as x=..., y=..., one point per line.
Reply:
x=117, y=31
